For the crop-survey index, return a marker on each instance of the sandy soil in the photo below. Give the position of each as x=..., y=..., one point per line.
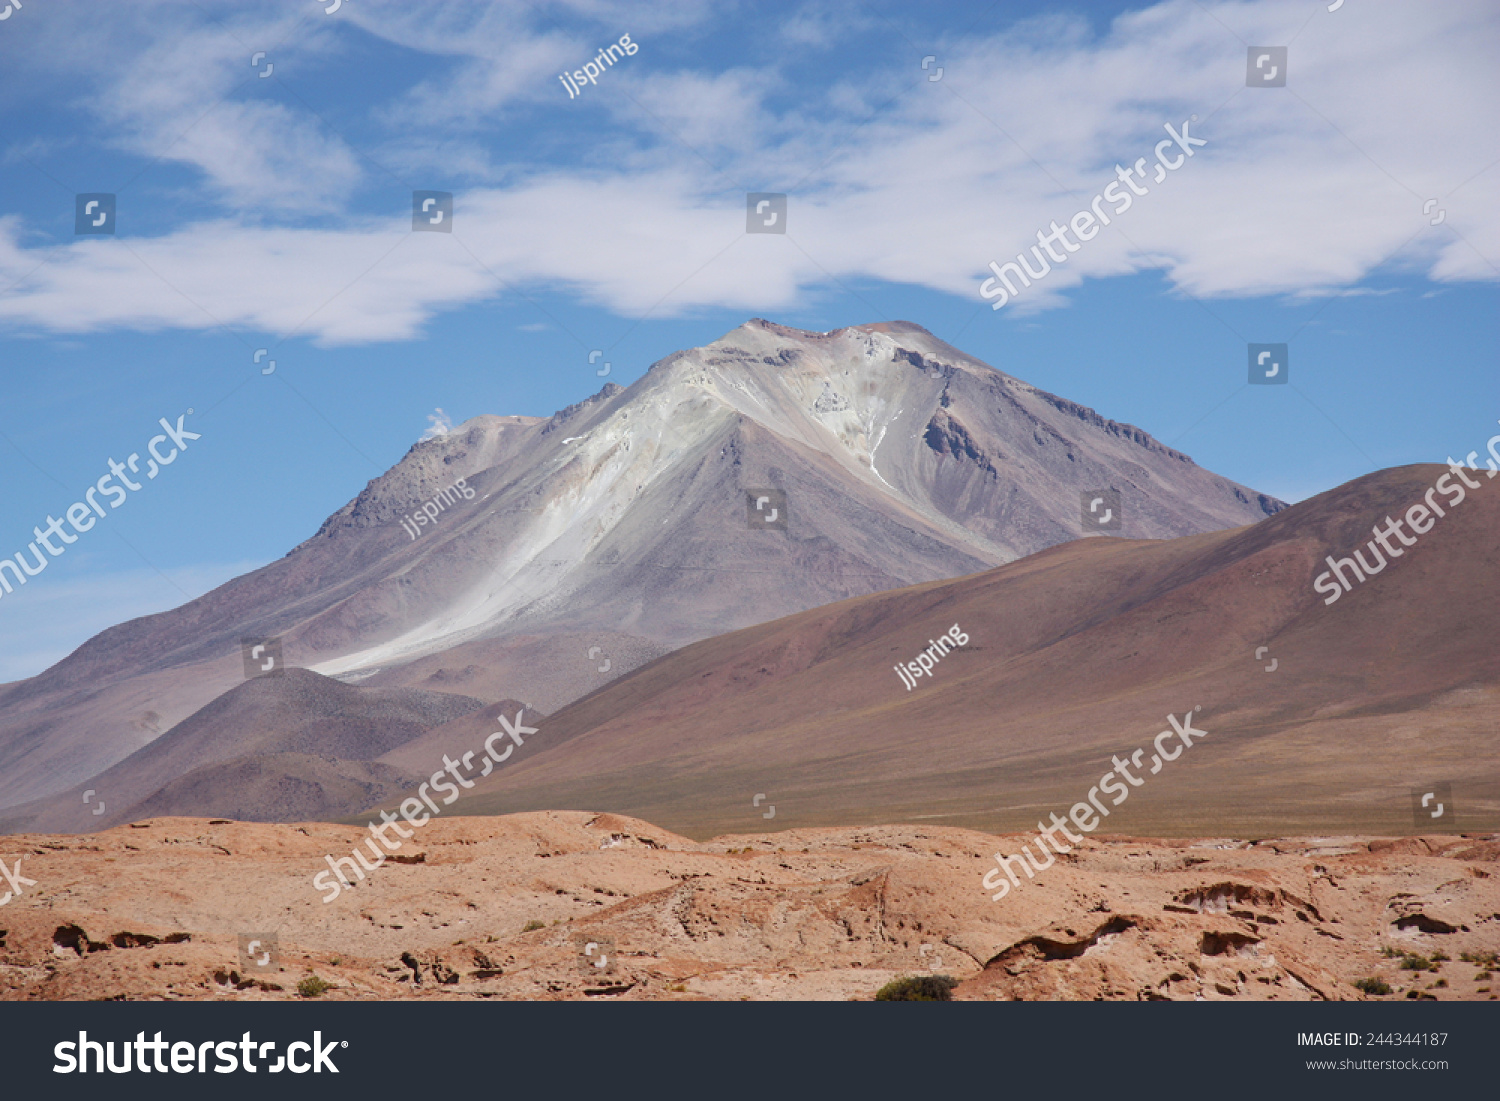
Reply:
x=161, y=910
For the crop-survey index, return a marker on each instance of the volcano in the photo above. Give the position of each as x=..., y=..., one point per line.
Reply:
x=537, y=559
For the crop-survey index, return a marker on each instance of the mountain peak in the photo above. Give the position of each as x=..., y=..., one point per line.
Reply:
x=895, y=327
x=892, y=327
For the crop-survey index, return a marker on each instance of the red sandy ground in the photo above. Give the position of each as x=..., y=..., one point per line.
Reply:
x=154, y=911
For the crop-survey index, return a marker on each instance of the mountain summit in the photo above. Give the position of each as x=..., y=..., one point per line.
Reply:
x=771, y=471
x=895, y=457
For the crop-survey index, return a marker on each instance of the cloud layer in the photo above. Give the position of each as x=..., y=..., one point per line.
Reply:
x=891, y=176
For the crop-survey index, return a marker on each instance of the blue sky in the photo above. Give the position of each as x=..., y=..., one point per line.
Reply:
x=275, y=212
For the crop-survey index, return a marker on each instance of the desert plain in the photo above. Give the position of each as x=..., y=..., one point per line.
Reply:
x=568, y=905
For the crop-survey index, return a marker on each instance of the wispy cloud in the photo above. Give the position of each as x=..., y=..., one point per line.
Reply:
x=438, y=424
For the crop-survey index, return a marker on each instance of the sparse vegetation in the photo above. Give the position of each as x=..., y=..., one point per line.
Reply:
x=1378, y=987
x=1487, y=960
x=918, y=988
x=313, y=987
x=532, y=925
x=1410, y=961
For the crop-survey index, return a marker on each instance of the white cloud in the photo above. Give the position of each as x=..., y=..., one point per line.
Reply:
x=160, y=81
x=501, y=55
x=1303, y=190
x=820, y=24
x=706, y=113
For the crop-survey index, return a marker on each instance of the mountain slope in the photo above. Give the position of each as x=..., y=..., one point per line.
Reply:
x=1073, y=655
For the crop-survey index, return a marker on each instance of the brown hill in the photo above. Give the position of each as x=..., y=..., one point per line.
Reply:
x=248, y=732
x=423, y=754
x=1074, y=655
x=275, y=787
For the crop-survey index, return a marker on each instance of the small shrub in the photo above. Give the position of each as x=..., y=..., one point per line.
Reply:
x=313, y=987
x=1390, y=953
x=1440, y=957
x=1378, y=987
x=1440, y=982
x=1413, y=962
x=533, y=924
x=918, y=988
x=1487, y=960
